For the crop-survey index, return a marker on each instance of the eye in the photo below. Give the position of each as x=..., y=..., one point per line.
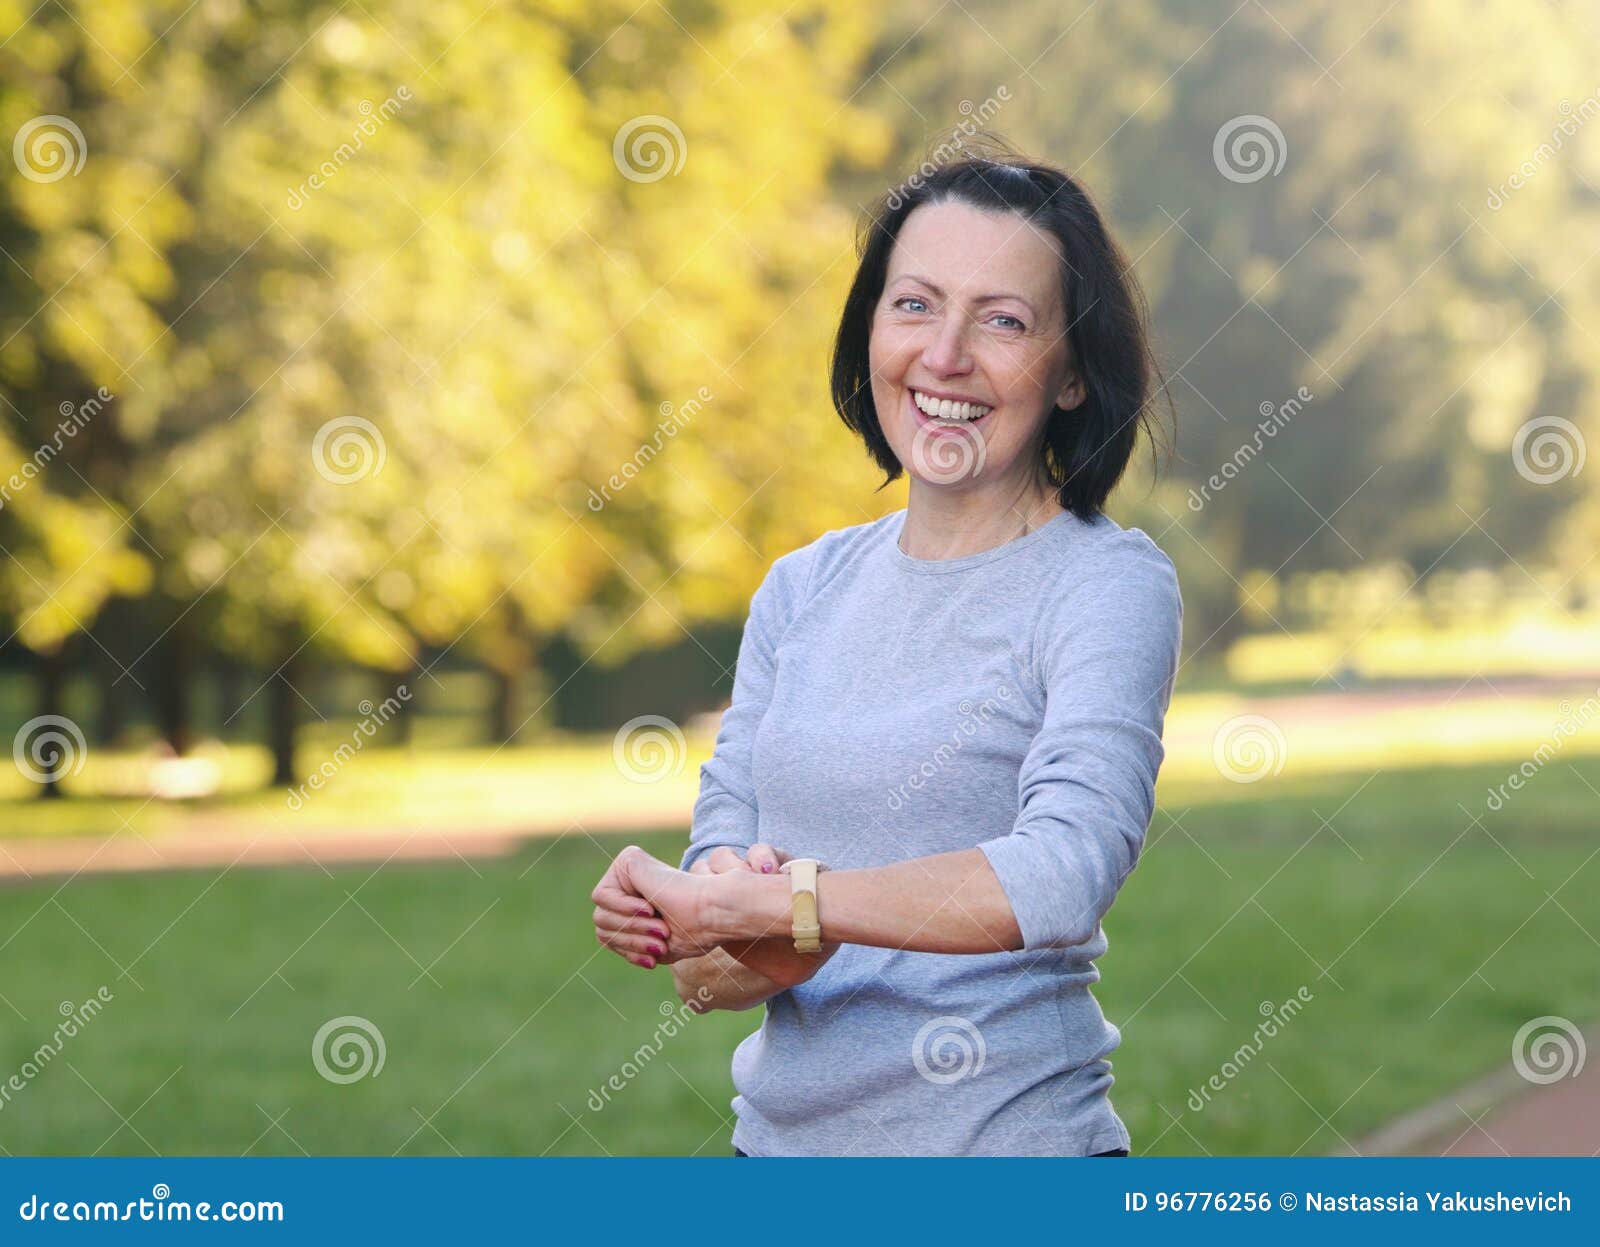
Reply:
x=910, y=298
x=1014, y=321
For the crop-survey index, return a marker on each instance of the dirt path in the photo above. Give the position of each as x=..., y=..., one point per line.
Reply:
x=1505, y=1115
x=209, y=846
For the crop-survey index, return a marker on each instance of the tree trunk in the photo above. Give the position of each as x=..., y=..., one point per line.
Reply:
x=504, y=709
x=404, y=721
x=282, y=718
x=507, y=655
x=112, y=719
x=175, y=674
x=51, y=675
x=229, y=686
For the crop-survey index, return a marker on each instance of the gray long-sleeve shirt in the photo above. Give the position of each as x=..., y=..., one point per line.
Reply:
x=887, y=707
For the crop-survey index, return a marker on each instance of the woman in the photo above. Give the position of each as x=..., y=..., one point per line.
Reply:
x=957, y=708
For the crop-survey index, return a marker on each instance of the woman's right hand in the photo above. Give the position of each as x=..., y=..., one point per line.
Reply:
x=775, y=956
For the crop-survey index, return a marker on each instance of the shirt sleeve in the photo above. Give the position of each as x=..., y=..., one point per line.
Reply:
x=725, y=811
x=1107, y=654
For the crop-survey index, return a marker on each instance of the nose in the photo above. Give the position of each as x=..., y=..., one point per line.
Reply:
x=946, y=352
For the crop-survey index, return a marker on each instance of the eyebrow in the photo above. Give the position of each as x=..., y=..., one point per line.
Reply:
x=982, y=298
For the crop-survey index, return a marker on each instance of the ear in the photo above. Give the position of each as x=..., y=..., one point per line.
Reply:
x=1072, y=393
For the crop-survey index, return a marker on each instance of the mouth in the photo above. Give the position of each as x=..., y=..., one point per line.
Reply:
x=953, y=415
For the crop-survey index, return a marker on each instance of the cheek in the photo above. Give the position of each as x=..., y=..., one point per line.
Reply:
x=887, y=348
x=1020, y=373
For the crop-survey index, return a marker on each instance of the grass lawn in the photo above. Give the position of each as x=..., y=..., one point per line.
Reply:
x=1423, y=938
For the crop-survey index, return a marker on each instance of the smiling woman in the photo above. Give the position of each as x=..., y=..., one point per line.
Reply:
x=993, y=347
x=997, y=284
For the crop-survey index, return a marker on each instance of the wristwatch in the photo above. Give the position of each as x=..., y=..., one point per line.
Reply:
x=806, y=928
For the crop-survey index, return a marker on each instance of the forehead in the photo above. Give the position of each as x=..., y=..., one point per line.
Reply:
x=958, y=246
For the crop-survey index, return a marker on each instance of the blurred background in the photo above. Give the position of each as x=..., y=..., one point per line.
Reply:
x=402, y=400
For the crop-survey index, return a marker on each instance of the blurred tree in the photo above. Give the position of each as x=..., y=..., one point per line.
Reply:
x=1318, y=196
x=382, y=297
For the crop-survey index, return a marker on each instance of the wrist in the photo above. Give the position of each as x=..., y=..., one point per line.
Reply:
x=754, y=907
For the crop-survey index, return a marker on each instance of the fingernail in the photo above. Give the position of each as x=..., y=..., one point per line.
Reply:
x=658, y=950
x=649, y=963
x=766, y=868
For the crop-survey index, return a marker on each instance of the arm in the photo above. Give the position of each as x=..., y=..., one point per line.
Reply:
x=946, y=903
x=1107, y=656
x=725, y=820
x=745, y=973
x=725, y=811
x=718, y=980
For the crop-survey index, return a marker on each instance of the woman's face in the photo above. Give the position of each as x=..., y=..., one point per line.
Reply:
x=971, y=311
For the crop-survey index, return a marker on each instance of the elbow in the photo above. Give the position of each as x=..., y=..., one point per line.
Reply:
x=694, y=995
x=1059, y=886
x=1078, y=924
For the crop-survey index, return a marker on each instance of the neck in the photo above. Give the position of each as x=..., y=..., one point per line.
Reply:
x=943, y=524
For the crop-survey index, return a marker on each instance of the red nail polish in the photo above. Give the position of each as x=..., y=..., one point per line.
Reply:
x=766, y=868
x=658, y=950
x=649, y=963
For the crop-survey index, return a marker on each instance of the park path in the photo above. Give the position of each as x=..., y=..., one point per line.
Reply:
x=203, y=846
x=1504, y=1114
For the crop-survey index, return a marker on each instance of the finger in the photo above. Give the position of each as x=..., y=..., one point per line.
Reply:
x=643, y=960
x=616, y=878
x=723, y=859
x=639, y=874
x=765, y=858
x=621, y=902
x=631, y=946
x=631, y=924
x=700, y=867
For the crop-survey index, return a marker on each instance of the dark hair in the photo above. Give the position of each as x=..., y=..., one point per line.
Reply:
x=1084, y=451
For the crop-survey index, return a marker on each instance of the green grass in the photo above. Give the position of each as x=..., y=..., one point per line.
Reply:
x=1440, y=944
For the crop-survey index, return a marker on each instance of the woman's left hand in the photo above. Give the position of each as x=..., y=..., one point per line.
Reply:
x=694, y=906
x=630, y=926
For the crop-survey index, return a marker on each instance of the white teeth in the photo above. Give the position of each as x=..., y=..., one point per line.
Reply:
x=944, y=409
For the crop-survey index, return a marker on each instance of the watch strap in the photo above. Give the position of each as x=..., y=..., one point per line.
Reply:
x=806, y=927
